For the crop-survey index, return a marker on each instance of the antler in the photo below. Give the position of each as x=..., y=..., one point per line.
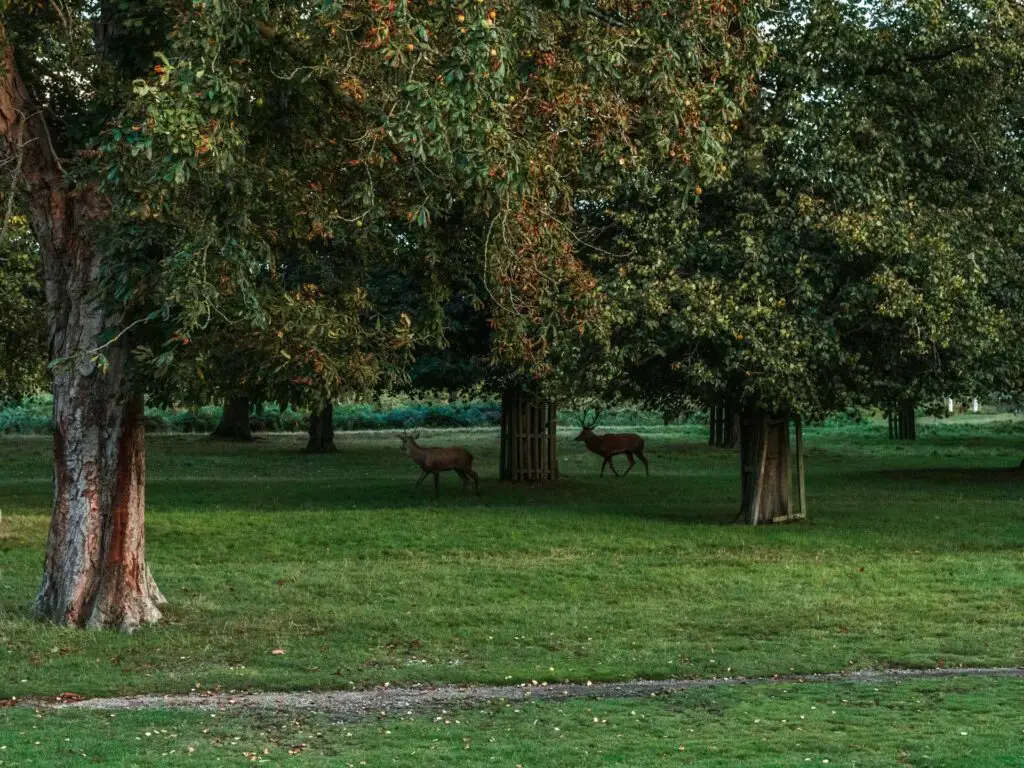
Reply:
x=405, y=435
x=584, y=423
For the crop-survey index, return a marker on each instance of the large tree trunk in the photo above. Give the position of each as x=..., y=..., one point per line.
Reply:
x=321, y=431
x=529, y=438
x=95, y=571
x=764, y=461
x=234, y=421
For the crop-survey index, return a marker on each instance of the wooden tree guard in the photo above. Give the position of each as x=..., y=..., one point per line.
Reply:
x=801, y=498
x=903, y=422
x=767, y=495
x=529, y=431
x=723, y=426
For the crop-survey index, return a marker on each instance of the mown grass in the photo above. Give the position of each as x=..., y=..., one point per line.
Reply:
x=913, y=557
x=972, y=723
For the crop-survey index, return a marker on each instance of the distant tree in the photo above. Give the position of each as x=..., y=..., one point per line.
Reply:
x=22, y=314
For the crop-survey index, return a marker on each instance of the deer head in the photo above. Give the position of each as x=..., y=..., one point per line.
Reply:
x=587, y=425
x=407, y=439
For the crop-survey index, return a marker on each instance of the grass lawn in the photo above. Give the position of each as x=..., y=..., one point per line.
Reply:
x=914, y=556
x=973, y=723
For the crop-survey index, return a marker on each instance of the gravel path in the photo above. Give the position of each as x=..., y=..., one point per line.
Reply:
x=385, y=699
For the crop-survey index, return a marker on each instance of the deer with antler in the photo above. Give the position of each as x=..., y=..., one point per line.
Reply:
x=612, y=444
x=434, y=461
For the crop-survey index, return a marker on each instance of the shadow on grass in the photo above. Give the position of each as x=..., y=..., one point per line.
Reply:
x=634, y=496
x=950, y=476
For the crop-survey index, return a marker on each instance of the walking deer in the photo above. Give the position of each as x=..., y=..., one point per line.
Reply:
x=434, y=461
x=613, y=444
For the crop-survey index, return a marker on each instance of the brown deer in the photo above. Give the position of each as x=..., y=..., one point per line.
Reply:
x=434, y=461
x=613, y=444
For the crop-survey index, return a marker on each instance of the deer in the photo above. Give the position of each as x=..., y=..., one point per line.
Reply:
x=612, y=444
x=434, y=461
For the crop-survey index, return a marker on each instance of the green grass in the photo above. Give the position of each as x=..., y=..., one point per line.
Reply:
x=974, y=723
x=914, y=556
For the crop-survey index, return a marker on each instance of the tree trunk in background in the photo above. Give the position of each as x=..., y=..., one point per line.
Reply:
x=234, y=422
x=321, y=431
x=764, y=462
x=903, y=422
x=95, y=571
x=724, y=426
x=529, y=434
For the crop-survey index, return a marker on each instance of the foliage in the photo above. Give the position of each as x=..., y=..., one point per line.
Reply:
x=395, y=114
x=339, y=561
x=22, y=315
x=865, y=247
x=239, y=146
x=942, y=722
x=312, y=344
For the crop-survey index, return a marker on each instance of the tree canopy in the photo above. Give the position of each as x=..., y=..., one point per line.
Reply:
x=865, y=247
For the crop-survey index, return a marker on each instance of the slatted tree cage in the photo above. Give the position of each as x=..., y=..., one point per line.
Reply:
x=767, y=472
x=903, y=422
x=529, y=432
x=724, y=426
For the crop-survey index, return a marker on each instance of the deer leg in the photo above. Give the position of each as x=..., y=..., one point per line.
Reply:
x=647, y=469
x=476, y=480
x=611, y=464
x=437, y=485
x=464, y=478
x=629, y=456
x=603, y=463
x=425, y=473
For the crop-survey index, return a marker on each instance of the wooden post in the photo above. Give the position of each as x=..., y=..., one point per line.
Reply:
x=801, y=492
x=755, y=508
x=723, y=426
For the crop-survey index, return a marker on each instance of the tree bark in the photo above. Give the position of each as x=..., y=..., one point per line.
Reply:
x=321, y=431
x=95, y=571
x=234, y=421
x=529, y=435
x=764, y=462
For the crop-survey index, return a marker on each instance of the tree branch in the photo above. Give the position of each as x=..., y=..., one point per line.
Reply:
x=921, y=58
x=593, y=12
x=334, y=91
x=273, y=34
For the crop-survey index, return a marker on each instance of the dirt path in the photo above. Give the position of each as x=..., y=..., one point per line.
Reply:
x=356, y=704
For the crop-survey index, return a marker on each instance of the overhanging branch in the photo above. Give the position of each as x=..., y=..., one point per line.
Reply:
x=921, y=58
x=273, y=34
